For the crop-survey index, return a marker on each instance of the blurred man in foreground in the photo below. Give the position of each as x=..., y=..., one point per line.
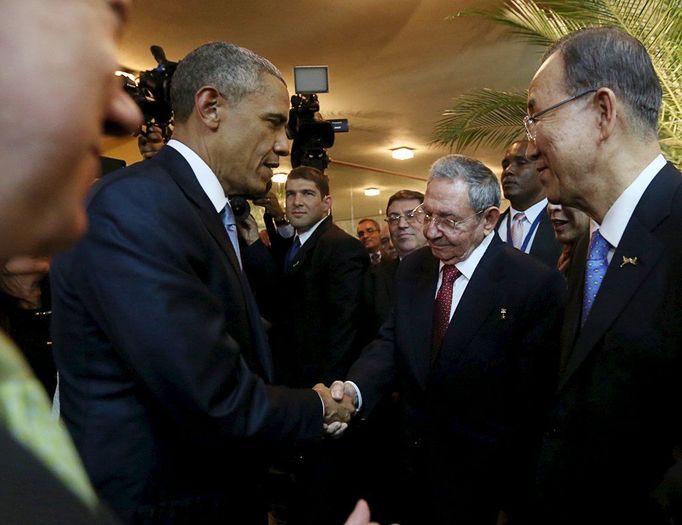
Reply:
x=49, y=146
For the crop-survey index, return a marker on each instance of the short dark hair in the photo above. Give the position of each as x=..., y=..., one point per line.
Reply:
x=404, y=195
x=367, y=219
x=232, y=70
x=608, y=57
x=483, y=187
x=312, y=174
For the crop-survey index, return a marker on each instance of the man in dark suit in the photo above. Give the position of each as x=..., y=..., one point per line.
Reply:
x=317, y=334
x=49, y=156
x=593, y=108
x=469, y=347
x=406, y=236
x=163, y=359
x=525, y=224
x=317, y=331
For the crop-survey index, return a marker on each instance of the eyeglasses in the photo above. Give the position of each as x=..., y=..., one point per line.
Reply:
x=530, y=121
x=409, y=216
x=444, y=224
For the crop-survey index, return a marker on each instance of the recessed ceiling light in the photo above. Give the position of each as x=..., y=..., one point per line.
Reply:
x=402, y=153
x=372, y=192
x=279, y=177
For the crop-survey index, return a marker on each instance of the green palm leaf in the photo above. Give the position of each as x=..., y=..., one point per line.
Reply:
x=656, y=23
x=486, y=117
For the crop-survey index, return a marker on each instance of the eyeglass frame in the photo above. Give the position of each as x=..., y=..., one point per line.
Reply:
x=408, y=216
x=532, y=120
x=437, y=221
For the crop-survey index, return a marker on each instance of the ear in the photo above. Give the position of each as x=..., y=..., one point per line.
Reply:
x=327, y=201
x=490, y=218
x=606, y=103
x=206, y=103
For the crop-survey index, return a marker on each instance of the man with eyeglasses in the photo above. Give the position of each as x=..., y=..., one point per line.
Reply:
x=407, y=236
x=525, y=224
x=469, y=346
x=614, y=428
x=369, y=234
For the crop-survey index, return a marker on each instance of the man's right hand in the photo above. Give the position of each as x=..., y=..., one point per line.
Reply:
x=337, y=413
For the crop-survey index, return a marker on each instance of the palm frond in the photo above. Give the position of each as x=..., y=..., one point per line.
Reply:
x=486, y=117
x=656, y=23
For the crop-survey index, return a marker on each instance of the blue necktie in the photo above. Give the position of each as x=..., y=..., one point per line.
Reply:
x=293, y=252
x=227, y=218
x=595, y=269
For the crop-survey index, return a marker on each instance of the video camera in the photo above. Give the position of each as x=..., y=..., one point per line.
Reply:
x=312, y=134
x=151, y=92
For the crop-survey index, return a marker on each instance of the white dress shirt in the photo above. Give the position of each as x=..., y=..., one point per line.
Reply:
x=617, y=218
x=531, y=214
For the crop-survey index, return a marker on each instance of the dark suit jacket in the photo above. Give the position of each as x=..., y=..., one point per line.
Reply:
x=32, y=494
x=159, y=342
x=378, y=291
x=470, y=411
x=615, y=416
x=319, y=326
x=545, y=246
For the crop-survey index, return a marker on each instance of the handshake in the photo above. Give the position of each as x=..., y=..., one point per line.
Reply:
x=340, y=405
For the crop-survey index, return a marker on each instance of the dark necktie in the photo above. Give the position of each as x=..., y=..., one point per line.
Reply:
x=441, y=310
x=595, y=269
x=292, y=253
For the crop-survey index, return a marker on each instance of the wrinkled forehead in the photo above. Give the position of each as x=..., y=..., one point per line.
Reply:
x=547, y=84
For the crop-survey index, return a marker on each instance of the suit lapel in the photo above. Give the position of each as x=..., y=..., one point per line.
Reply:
x=622, y=280
x=421, y=298
x=308, y=246
x=184, y=177
x=479, y=298
x=178, y=168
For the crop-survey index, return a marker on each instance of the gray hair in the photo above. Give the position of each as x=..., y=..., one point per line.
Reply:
x=483, y=186
x=232, y=70
x=608, y=57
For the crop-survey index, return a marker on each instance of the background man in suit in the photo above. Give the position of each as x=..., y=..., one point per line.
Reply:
x=163, y=358
x=369, y=233
x=317, y=331
x=407, y=236
x=49, y=155
x=473, y=365
x=525, y=224
x=593, y=109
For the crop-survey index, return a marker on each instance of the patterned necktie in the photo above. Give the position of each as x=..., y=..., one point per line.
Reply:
x=25, y=413
x=227, y=218
x=517, y=229
x=441, y=310
x=292, y=253
x=595, y=269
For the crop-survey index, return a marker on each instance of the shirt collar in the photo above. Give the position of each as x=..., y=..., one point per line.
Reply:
x=619, y=214
x=532, y=212
x=205, y=176
x=468, y=265
x=303, y=237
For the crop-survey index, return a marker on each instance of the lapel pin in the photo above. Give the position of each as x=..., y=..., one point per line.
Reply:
x=503, y=313
x=629, y=260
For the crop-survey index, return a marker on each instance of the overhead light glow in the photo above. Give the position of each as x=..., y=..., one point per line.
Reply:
x=280, y=178
x=372, y=192
x=402, y=153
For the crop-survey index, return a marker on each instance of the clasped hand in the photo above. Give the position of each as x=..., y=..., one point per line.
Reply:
x=340, y=405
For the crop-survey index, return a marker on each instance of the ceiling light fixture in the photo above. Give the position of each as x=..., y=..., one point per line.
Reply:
x=372, y=192
x=279, y=177
x=402, y=153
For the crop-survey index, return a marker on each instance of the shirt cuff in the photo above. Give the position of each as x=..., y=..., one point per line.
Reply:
x=357, y=393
